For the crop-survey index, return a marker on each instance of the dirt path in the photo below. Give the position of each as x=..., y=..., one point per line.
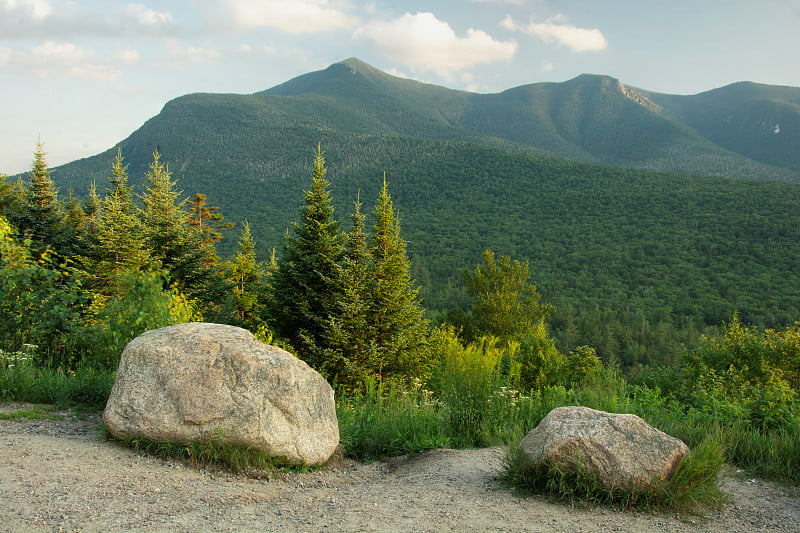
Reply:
x=61, y=475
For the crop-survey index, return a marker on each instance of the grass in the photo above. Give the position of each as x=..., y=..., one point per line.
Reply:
x=464, y=406
x=213, y=452
x=693, y=488
x=38, y=412
x=85, y=387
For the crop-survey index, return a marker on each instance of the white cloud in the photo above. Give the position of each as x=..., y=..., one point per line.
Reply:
x=576, y=39
x=145, y=16
x=288, y=16
x=128, y=56
x=514, y=2
x=37, y=10
x=68, y=20
x=5, y=55
x=191, y=54
x=398, y=73
x=423, y=42
x=547, y=66
x=66, y=60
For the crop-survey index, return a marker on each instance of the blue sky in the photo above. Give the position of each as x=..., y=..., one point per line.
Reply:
x=83, y=75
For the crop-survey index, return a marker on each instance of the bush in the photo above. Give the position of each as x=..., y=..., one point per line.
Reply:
x=139, y=304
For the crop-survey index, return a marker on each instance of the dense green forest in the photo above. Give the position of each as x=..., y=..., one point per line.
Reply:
x=79, y=280
x=636, y=261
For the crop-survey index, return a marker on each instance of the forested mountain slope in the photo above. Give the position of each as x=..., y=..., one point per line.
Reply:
x=470, y=171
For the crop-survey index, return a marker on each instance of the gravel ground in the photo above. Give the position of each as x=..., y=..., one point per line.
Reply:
x=61, y=475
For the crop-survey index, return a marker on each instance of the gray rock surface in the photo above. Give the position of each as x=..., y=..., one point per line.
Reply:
x=200, y=381
x=621, y=448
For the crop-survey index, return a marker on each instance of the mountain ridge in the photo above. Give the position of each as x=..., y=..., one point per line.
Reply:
x=473, y=171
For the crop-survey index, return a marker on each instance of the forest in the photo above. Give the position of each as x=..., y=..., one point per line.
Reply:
x=80, y=278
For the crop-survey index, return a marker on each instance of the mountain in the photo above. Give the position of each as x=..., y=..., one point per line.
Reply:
x=598, y=184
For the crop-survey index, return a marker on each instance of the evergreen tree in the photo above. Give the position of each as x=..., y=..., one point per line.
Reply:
x=6, y=195
x=246, y=275
x=396, y=316
x=306, y=284
x=120, y=241
x=352, y=349
x=92, y=210
x=41, y=215
x=169, y=237
x=209, y=222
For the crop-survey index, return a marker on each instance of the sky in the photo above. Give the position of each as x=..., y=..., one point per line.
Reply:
x=80, y=76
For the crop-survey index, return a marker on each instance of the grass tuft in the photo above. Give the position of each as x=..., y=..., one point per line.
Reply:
x=693, y=489
x=38, y=412
x=214, y=453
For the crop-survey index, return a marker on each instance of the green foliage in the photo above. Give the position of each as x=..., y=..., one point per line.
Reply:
x=247, y=276
x=38, y=412
x=140, y=304
x=352, y=355
x=171, y=240
x=747, y=374
x=386, y=419
x=22, y=380
x=539, y=363
x=119, y=244
x=504, y=303
x=306, y=283
x=396, y=318
x=209, y=222
x=42, y=300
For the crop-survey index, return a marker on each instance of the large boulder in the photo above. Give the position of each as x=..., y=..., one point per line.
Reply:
x=201, y=381
x=621, y=449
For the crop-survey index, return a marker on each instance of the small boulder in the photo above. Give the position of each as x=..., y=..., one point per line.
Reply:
x=622, y=449
x=200, y=381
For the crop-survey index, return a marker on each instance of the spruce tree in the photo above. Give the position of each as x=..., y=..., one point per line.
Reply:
x=207, y=220
x=352, y=350
x=169, y=237
x=246, y=275
x=6, y=195
x=120, y=237
x=307, y=282
x=396, y=316
x=41, y=215
x=93, y=207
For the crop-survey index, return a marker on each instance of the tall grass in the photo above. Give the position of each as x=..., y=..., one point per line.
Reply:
x=85, y=387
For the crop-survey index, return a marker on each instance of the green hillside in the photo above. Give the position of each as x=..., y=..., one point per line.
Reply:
x=760, y=122
x=470, y=172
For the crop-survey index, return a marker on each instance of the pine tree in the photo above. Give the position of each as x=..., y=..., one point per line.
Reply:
x=120, y=237
x=352, y=350
x=168, y=235
x=209, y=222
x=246, y=274
x=396, y=315
x=306, y=283
x=41, y=215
